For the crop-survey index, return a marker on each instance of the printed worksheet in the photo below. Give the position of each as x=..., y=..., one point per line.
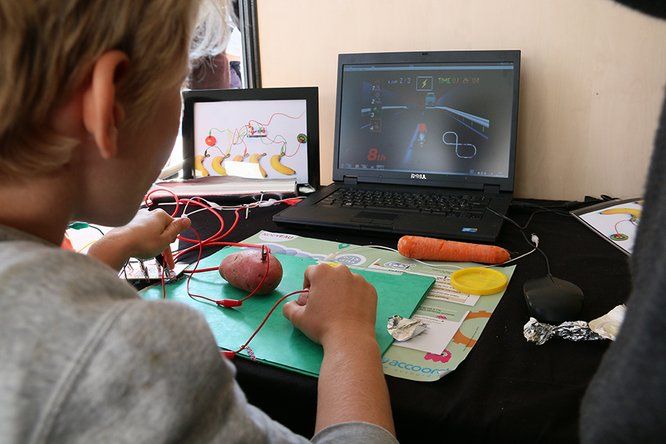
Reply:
x=439, y=333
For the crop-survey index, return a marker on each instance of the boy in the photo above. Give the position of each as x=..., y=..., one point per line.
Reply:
x=90, y=104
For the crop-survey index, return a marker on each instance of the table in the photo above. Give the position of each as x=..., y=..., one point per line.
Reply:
x=507, y=389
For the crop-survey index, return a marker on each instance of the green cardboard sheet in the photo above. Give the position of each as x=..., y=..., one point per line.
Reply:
x=279, y=343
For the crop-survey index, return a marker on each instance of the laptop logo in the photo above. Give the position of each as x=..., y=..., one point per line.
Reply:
x=418, y=176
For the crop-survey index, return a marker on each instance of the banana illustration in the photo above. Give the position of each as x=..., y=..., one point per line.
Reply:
x=198, y=165
x=277, y=165
x=217, y=165
x=238, y=158
x=634, y=213
x=255, y=159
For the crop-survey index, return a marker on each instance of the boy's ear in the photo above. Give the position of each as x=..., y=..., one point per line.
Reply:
x=101, y=112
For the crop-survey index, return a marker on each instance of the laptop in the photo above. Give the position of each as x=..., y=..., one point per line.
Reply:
x=425, y=144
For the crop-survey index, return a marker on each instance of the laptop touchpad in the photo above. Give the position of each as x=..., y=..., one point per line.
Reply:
x=374, y=217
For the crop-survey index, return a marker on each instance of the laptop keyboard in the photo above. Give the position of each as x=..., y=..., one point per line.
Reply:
x=448, y=205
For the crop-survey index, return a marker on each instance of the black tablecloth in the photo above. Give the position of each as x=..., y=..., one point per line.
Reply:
x=506, y=389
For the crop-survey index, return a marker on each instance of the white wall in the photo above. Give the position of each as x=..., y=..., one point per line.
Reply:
x=592, y=81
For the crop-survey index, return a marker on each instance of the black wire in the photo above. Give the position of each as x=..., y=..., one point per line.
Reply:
x=518, y=204
x=124, y=269
x=96, y=228
x=522, y=231
x=534, y=213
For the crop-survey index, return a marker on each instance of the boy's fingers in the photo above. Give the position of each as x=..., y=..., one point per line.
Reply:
x=162, y=216
x=302, y=299
x=176, y=227
x=185, y=223
x=307, y=275
x=294, y=312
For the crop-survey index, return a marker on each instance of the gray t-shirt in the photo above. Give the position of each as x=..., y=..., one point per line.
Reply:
x=83, y=359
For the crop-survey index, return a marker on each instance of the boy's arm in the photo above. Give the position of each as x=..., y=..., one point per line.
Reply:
x=359, y=392
x=146, y=236
x=339, y=312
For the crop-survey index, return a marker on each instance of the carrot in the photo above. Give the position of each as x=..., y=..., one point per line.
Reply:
x=430, y=249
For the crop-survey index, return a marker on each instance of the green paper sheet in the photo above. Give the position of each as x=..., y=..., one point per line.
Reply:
x=279, y=343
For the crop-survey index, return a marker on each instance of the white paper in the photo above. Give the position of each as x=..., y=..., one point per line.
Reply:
x=83, y=238
x=437, y=336
x=443, y=290
x=243, y=169
x=223, y=186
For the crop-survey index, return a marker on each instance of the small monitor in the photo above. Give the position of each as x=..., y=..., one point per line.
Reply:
x=268, y=133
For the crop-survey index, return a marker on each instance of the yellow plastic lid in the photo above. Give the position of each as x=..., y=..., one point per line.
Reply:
x=479, y=280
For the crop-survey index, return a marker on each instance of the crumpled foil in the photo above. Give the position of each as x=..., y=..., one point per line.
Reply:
x=539, y=333
x=608, y=325
x=403, y=329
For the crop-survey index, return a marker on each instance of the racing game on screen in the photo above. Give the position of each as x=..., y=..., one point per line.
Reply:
x=450, y=119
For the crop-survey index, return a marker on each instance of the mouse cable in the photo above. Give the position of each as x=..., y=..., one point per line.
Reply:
x=540, y=210
x=534, y=241
x=333, y=256
x=565, y=207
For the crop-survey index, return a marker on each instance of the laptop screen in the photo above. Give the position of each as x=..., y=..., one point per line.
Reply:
x=451, y=119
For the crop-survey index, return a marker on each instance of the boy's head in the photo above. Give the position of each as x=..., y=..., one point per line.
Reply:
x=95, y=85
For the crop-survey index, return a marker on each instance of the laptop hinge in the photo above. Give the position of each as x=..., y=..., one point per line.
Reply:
x=491, y=189
x=350, y=180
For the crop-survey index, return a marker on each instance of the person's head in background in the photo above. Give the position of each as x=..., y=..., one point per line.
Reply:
x=90, y=101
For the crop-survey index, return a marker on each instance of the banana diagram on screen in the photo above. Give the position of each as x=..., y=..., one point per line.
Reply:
x=634, y=216
x=253, y=142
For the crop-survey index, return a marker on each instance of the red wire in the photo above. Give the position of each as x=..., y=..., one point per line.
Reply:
x=268, y=315
x=271, y=118
x=227, y=303
x=215, y=240
x=228, y=244
x=265, y=252
x=618, y=223
x=217, y=236
x=149, y=202
x=194, y=201
x=189, y=278
x=208, y=207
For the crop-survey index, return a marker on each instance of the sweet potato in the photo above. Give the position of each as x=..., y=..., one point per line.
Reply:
x=245, y=270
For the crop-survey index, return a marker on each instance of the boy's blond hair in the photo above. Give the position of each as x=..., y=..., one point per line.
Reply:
x=47, y=47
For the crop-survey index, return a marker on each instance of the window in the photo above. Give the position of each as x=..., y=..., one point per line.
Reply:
x=236, y=67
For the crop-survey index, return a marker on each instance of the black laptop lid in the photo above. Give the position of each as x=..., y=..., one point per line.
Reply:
x=446, y=119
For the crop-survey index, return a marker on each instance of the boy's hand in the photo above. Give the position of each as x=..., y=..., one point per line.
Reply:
x=340, y=306
x=144, y=237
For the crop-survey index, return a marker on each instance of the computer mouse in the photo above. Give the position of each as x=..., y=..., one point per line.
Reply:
x=553, y=300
